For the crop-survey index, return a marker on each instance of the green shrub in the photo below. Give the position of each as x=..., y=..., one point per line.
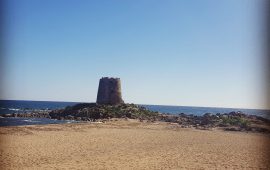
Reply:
x=236, y=121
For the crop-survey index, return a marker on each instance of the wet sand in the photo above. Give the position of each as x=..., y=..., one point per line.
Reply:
x=130, y=145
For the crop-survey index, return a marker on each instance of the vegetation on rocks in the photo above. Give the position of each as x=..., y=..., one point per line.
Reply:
x=93, y=111
x=235, y=121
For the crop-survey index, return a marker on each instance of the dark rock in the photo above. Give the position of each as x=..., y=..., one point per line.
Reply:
x=78, y=118
x=70, y=117
x=232, y=129
x=207, y=115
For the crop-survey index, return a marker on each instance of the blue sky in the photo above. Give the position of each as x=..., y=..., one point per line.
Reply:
x=176, y=52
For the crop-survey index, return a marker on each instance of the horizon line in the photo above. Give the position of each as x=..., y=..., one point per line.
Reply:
x=138, y=104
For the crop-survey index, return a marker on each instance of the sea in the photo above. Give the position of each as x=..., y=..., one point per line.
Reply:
x=22, y=106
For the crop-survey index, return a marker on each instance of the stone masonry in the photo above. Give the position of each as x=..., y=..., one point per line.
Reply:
x=109, y=91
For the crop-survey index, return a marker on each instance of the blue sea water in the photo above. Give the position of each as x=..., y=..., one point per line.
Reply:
x=14, y=121
x=23, y=104
x=12, y=106
x=202, y=110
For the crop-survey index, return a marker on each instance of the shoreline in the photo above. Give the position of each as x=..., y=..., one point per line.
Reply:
x=234, y=121
x=92, y=112
x=147, y=122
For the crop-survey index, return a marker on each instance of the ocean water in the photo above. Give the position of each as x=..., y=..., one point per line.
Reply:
x=202, y=110
x=13, y=121
x=22, y=104
x=13, y=106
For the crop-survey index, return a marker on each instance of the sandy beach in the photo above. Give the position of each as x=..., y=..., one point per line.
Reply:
x=130, y=145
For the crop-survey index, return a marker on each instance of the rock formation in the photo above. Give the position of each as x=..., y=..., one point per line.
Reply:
x=109, y=91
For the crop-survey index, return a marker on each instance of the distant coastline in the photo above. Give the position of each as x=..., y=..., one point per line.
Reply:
x=8, y=106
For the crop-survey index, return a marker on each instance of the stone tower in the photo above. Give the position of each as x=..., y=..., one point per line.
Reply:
x=109, y=91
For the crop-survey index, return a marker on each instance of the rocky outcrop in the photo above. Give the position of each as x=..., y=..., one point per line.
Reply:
x=93, y=111
x=233, y=121
x=34, y=114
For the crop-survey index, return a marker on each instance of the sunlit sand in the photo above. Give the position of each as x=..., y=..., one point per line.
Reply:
x=130, y=145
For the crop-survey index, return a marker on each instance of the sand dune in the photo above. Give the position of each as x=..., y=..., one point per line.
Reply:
x=130, y=145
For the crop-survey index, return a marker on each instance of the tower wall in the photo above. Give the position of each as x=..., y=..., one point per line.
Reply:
x=109, y=91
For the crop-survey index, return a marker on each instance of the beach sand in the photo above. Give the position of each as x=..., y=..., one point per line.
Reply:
x=130, y=145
